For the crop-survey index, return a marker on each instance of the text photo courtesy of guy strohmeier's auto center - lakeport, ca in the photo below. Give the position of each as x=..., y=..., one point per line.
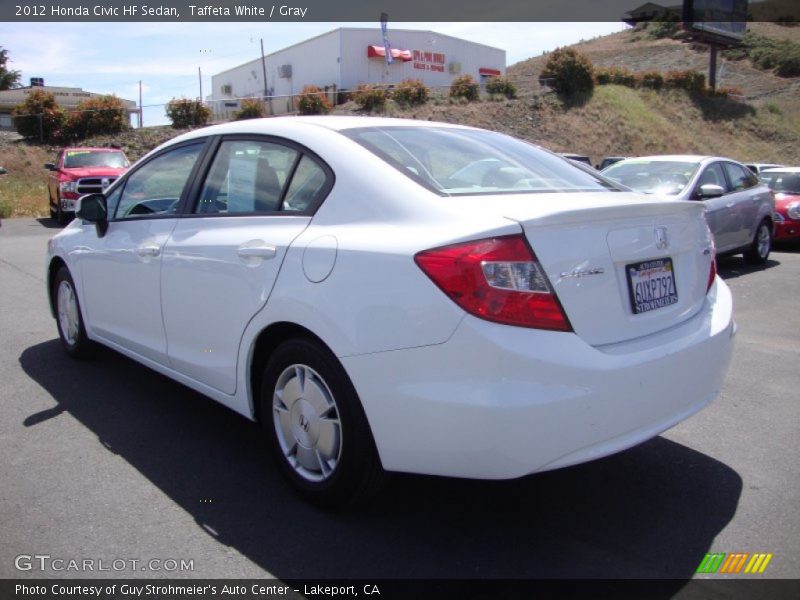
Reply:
x=296, y=307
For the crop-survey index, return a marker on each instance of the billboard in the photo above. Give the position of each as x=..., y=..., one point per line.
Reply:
x=719, y=20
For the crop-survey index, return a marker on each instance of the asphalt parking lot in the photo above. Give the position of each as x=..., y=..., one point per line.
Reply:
x=108, y=460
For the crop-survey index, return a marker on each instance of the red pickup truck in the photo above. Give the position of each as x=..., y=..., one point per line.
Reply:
x=81, y=171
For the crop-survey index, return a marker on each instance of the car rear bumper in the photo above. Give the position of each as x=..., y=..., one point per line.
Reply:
x=498, y=402
x=787, y=230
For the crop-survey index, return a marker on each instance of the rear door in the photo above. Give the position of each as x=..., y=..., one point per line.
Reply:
x=223, y=257
x=746, y=195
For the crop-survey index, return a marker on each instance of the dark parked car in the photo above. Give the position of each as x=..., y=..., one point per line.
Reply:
x=579, y=158
x=609, y=160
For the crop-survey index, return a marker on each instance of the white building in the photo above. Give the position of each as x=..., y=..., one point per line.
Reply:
x=343, y=58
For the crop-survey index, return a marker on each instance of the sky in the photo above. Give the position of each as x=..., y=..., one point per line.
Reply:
x=112, y=58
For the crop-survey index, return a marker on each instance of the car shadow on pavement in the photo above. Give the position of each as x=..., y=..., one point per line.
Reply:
x=49, y=223
x=650, y=512
x=731, y=267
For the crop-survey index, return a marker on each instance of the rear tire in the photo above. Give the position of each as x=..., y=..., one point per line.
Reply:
x=758, y=252
x=317, y=428
x=71, y=329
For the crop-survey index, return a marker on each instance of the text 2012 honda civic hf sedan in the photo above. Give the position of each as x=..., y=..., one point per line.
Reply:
x=393, y=295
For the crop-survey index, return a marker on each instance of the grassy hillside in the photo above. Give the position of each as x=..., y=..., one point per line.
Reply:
x=763, y=126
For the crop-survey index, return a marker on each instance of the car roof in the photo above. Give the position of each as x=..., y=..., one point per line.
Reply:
x=334, y=123
x=91, y=149
x=676, y=157
x=783, y=170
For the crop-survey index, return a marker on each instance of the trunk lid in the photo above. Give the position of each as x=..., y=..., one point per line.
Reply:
x=600, y=249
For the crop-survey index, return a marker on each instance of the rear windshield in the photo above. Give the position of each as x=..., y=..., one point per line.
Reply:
x=653, y=176
x=454, y=162
x=782, y=181
x=87, y=158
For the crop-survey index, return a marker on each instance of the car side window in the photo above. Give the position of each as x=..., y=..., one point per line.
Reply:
x=306, y=184
x=112, y=200
x=713, y=174
x=740, y=178
x=247, y=176
x=156, y=187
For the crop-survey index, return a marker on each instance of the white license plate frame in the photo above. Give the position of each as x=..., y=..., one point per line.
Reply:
x=651, y=285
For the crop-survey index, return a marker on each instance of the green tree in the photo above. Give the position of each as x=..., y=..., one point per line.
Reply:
x=8, y=79
x=97, y=116
x=251, y=108
x=187, y=113
x=39, y=116
x=569, y=73
x=465, y=87
x=313, y=101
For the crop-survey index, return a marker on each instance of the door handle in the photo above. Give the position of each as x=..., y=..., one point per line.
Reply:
x=730, y=205
x=148, y=250
x=257, y=249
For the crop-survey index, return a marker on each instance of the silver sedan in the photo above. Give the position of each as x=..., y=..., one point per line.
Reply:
x=738, y=205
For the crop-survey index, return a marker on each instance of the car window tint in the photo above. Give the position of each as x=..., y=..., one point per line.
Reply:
x=156, y=187
x=307, y=182
x=786, y=182
x=246, y=177
x=713, y=174
x=456, y=162
x=668, y=177
x=740, y=178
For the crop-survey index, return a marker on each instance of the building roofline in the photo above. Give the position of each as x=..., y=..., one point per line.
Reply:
x=339, y=30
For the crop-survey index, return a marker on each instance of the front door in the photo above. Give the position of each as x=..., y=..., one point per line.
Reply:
x=121, y=271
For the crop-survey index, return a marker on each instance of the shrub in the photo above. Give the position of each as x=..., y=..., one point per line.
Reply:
x=97, y=116
x=615, y=75
x=789, y=63
x=6, y=209
x=313, y=101
x=501, y=86
x=667, y=28
x=724, y=92
x=689, y=80
x=769, y=53
x=411, y=92
x=187, y=113
x=465, y=87
x=653, y=80
x=568, y=72
x=369, y=96
x=250, y=109
x=39, y=116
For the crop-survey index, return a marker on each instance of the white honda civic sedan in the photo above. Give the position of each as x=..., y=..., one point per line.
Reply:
x=392, y=295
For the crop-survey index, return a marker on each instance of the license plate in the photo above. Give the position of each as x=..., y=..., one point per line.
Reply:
x=651, y=285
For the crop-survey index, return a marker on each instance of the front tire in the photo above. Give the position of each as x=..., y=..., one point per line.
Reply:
x=317, y=428
x=71, y=329
x=758, y=252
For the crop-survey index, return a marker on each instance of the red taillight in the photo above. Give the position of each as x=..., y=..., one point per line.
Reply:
x=497, y=279
x=712, y=274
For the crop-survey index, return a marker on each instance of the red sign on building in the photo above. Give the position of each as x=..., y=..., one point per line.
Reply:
x=429, y=61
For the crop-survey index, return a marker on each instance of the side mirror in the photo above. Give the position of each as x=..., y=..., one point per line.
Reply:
x=92, y=208
x=3, y=171
x=710, y=190
x=50, y=166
